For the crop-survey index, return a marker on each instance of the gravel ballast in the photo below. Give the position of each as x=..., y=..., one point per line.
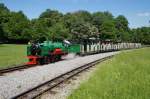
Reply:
x=14, y=83
x=66, y=88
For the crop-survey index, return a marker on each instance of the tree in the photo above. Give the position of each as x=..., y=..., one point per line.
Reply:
x=51, y=17
x=38, y=29
x=107, y=30
x=58, y=32
x=73, y=20
x=4, y=14
x=122, y=28
x=104, y=21
x=16, y=24
x=141, y=35
x=83, y=15
x=79, y=25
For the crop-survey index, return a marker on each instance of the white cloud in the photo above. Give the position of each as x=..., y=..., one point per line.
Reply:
x=144, y=14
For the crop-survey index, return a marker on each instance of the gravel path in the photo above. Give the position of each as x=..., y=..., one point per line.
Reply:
x=17, y=82
x=66, y=88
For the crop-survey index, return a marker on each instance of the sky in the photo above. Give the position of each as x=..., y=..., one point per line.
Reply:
x=136, y=11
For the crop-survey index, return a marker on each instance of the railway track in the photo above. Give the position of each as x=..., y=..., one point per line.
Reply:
x=44, y=87
x=25, y=66
x=16, y=68
x=19, y=67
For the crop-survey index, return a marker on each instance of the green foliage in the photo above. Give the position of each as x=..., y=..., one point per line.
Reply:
x=83, y=15
x=141, y=35
x=107, y=30
x=17, y=22
x=39, y=29
x=83, y=30
x=104, y=22
x=58, y=32
x=4, y=14
x=121, y=24
x=126, y=76
x=81, y=24
x=51, y=17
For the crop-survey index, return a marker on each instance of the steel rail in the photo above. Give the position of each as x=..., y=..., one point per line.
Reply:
x=44, y=87
x=19, y=67
x=25, y=66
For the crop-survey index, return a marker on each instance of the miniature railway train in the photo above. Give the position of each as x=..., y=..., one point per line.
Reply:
x=48, y=51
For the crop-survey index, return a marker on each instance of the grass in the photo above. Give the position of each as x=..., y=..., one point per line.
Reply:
x=126, y=76
x=11, y=55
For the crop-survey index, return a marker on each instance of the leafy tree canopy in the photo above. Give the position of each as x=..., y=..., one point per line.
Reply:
x=81, y=24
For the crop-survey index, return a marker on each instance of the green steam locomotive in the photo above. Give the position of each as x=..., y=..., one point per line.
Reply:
x=48, y=51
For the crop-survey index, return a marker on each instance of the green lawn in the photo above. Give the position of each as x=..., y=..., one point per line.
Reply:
x=126, y=76
x=11, y=55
